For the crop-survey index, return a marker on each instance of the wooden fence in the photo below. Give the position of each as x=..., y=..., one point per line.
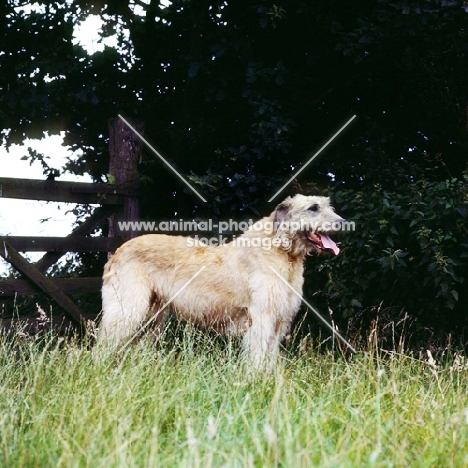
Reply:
x=117, y=201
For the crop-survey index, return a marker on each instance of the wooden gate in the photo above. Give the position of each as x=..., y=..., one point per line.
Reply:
x=117, y=201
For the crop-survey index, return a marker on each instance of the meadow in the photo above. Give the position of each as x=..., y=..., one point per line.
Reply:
x=190, y=403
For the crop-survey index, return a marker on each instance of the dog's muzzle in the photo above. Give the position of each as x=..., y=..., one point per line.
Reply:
x=322, y=241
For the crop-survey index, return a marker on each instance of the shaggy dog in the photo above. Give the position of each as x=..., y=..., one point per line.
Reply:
x=235, y=288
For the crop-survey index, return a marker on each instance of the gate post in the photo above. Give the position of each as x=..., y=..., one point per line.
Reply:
x=126, y=151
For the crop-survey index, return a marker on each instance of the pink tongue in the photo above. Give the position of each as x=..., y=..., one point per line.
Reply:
x=329, y=244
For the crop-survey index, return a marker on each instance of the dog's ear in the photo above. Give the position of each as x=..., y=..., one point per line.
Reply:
x=281, y=211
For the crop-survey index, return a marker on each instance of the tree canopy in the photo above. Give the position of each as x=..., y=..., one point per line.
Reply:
x=246, y=89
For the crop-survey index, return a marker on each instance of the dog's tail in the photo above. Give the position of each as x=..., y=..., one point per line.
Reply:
x=126, y=303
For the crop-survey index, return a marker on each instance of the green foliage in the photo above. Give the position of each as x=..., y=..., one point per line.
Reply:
x=409, y=251
x=241, y=90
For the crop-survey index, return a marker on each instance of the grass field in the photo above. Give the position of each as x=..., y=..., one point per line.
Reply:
x=190, y=404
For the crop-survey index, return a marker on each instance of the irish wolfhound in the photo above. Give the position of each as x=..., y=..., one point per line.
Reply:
x=241, y=289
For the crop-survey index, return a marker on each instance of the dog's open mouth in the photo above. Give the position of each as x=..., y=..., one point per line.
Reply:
x=322, y=242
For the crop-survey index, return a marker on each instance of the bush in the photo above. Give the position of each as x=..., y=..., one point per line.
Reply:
x=409, y=252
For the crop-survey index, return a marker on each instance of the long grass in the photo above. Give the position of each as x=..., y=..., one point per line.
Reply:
x=191, y=404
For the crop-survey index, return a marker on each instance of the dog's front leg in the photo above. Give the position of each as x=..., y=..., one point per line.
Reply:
x=269, y=318
x=261, y=344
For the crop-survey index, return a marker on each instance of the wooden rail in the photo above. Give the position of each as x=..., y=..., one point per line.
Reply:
x=22, y=287
x=51, y=190
x=62, y=244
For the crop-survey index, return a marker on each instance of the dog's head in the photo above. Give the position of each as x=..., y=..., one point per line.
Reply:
x=307, y=222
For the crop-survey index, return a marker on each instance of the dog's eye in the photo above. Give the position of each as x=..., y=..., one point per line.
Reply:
x=315, y=207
